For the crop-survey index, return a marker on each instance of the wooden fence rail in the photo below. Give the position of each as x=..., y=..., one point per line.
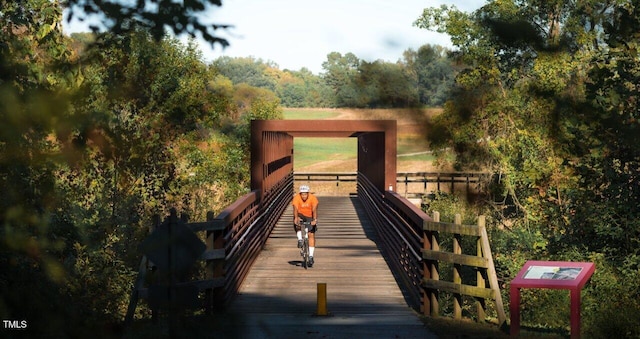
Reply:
x=419, y=184
x=486, y=282
x=409, y=184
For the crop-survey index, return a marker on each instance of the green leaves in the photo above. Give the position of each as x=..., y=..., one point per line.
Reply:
x=548, y=98
x=553, y=115
x=123, y=18
x=89, y=151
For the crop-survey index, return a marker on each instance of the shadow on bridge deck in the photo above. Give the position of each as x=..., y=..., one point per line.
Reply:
x=278, y=297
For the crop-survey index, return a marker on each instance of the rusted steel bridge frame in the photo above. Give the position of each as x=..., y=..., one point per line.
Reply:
x=272, y=148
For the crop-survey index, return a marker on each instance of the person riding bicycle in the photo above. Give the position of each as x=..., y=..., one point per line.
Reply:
x=305, y=208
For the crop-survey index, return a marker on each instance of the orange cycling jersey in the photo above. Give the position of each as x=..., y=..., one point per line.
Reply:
x=305, y=207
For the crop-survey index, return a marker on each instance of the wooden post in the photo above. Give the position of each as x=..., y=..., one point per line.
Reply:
x=424, y=182
x=457, y=249
x=426, y=269
x=480, y=273
x=208, y=303
x=435, y=274
x=171, y=291
x=406, y=185
x=218, y=267
x=453, y=180
x=491, y=272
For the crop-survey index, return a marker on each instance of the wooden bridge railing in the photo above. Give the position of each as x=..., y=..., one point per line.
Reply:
x=398, y=224
x=409, y=238
x=234, y=240
x=411, y=243
x=480, y=260
x=247, y=224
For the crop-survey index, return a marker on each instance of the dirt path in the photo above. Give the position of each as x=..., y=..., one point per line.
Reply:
x=352, y=166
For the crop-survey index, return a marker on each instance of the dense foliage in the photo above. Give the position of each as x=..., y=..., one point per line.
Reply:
x=100, y=132
x=424, y=77
x=549, y=101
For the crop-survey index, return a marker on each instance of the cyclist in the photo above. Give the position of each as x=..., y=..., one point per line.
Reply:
x=305, y=207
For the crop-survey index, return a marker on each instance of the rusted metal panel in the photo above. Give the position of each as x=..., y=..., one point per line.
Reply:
x=377, y=147
x=271, y=156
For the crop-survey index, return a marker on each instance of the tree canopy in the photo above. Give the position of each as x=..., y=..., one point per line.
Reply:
x=156, y=17
x=100, y=132
x=547, y=98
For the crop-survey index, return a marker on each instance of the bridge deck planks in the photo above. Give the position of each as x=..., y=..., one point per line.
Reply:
x=358, y=279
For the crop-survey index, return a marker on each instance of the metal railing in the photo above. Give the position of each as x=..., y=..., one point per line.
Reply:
x=398, y=224
x=247, y=224
x=407, y=237
x=233, y=241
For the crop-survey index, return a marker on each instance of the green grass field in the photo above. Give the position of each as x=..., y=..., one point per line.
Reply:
x=305, y=114
x=308, y=151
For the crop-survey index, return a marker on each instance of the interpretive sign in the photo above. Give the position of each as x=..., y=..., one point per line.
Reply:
x=552, y=272
x=555, y=275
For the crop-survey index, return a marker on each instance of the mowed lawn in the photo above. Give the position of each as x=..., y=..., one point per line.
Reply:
x=340, y=154
x=308, y=151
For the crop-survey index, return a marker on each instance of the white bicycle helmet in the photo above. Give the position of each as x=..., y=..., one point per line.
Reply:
x=304, y=189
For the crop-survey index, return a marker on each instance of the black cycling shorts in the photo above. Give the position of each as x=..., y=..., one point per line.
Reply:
x=297, y=228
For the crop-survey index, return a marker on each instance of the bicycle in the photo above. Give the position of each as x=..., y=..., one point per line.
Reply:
x=304, y=250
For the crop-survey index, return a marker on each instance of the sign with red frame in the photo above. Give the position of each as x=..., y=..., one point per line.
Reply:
x=567, y=275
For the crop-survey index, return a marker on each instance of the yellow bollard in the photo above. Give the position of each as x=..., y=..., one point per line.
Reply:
x=322, y=299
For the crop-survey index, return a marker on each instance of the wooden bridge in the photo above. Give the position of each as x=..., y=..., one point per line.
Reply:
x=279, y=295
x=347, y=260
x=378, y=254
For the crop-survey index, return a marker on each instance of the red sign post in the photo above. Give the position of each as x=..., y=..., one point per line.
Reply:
x=551, y=274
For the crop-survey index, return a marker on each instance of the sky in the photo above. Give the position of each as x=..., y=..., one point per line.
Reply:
x=300, y=33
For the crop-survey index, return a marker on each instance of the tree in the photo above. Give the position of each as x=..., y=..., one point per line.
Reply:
x=86, y=150
x=548, y=99
x=605, y=136
x=383, y=84
x=434, y=73
x=318, y=93
x=340, y=74
x=504, y=116
x=302, y=89
x=33, y=102
x=246, y=71
x=35, y=85
x=122, y=18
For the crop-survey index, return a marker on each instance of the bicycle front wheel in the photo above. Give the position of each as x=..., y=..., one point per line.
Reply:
x=305, y=254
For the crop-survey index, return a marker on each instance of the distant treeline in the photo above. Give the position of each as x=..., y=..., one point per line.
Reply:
x=421, y=78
